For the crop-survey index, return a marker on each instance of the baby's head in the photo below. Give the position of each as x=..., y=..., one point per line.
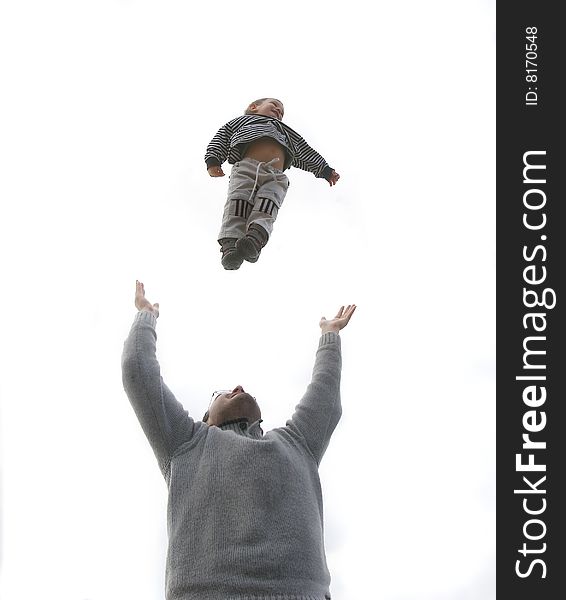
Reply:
x=268, y=107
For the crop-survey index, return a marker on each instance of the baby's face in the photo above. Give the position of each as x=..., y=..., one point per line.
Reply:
x=270, y=108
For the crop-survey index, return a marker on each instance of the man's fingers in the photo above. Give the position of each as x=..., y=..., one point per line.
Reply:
x=346, y=313
x=350, y=311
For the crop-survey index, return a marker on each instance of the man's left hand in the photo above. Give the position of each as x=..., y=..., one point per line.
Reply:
x=339, y=321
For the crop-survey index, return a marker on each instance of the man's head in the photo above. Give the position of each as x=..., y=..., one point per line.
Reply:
x=268, y=107
x=229, y=405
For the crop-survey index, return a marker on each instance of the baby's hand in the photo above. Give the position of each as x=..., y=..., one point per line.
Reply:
x=215, y=171
x=333, y=178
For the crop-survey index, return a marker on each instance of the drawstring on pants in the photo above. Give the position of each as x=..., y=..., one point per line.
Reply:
x=273, y=160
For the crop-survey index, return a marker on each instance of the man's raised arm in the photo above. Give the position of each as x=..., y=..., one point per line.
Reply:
x=319, y=411
x=165, y=422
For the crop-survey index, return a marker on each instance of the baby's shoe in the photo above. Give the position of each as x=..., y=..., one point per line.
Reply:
x=249, y=247
x=231, y=258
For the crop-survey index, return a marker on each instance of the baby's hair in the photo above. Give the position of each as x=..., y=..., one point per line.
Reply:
x=259, y=101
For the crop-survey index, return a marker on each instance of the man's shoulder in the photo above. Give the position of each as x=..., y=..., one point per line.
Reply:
x=291, y=438
x=198, y=437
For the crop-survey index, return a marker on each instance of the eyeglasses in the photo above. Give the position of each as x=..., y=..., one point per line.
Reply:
x=216, y=394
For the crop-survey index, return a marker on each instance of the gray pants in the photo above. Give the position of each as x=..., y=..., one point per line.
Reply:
x=255, y=195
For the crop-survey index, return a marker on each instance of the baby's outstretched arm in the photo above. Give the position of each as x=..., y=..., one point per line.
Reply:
x=217, y=150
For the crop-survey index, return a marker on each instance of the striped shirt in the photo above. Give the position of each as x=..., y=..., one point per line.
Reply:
x=232, y=139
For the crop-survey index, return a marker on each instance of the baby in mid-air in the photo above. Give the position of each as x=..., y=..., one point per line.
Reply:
x=261, y=148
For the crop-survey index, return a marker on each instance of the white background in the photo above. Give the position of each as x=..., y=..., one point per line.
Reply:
x=106, y=110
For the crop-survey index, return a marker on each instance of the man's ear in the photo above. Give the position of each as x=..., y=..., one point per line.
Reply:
x=253, y=107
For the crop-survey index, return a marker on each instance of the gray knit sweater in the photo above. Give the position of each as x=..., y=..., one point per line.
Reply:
x=244, y=513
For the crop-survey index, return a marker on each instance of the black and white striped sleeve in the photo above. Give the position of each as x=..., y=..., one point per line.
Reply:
x=308, y=159
x=217, y=150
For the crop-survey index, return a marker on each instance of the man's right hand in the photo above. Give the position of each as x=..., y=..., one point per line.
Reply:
x=215, y=171
x=142, y=303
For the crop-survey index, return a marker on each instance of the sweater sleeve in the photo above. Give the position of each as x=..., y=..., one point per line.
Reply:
x=219, y=147
x=164, y=421
x=308, y=159
x=319, y=410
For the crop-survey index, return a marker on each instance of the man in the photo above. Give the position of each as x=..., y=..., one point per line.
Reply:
x=244, y=513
